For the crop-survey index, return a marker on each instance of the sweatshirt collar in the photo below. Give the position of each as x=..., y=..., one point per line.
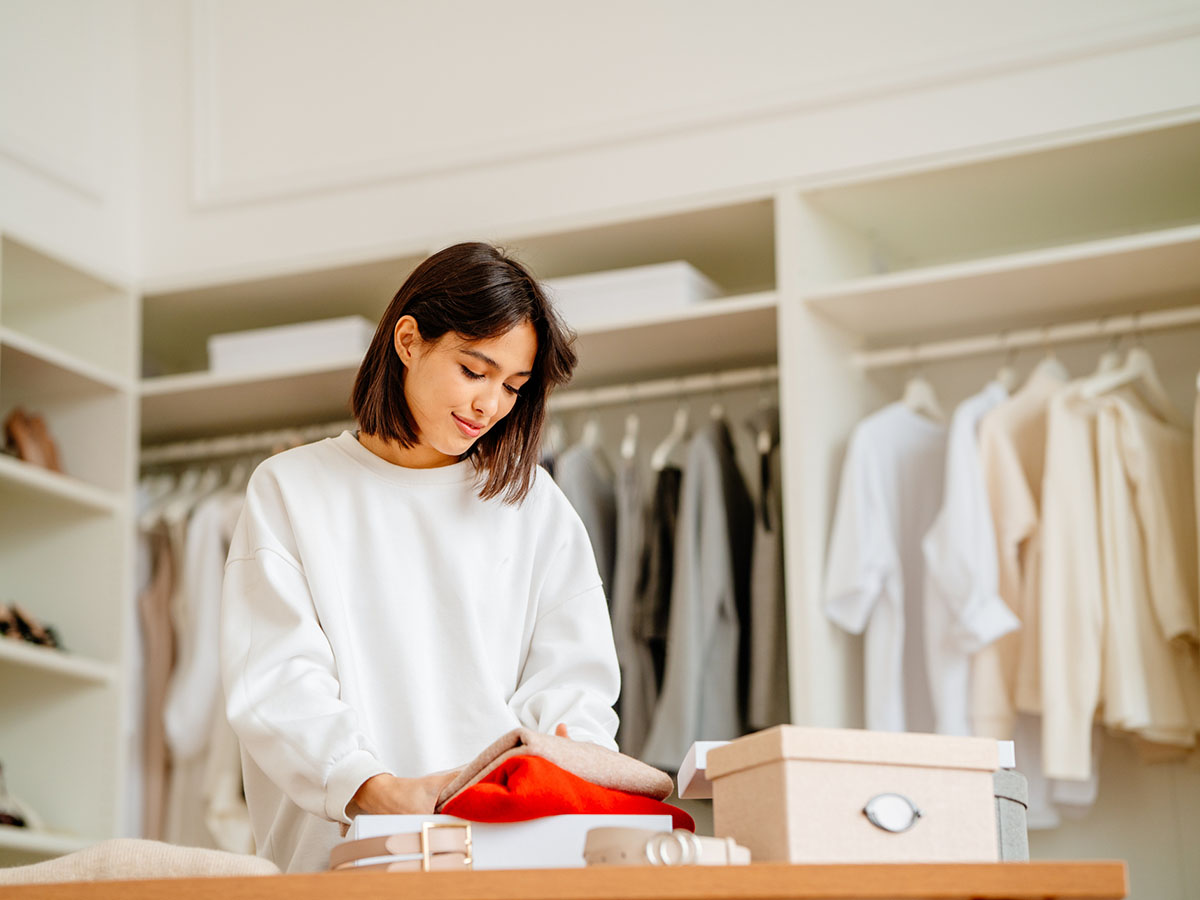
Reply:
x=455, y=473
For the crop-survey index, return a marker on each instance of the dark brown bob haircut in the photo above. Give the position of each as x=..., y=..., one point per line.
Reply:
x=476, y=291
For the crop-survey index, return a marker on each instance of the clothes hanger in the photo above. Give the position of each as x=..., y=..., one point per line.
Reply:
x=1110, y=359
x=556, y=437
x=1139, y=371
x=764, y=425
x=239, y=474
x=664, y=452
x=590, y=437
x=629, y=441
x=716, y=411
x=181, y=503
x=1049, y=366
x=920, y=397
x=1006, y=375
x=182, y=484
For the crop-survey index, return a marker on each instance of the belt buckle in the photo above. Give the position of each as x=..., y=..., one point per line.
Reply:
x=426, y=851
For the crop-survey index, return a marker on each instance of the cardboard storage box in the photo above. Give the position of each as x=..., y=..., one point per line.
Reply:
x=608, y=298
x=795, y=794
x=341, y=340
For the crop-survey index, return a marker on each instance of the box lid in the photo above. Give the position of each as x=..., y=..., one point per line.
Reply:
x=693, y=774
x=853, y=745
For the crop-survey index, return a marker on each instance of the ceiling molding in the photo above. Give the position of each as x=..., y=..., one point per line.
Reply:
x=212, y=189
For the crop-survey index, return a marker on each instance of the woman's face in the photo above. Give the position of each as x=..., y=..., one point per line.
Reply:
x=457, y=389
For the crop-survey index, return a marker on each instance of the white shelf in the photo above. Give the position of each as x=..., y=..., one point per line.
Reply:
x=31, y=353
x=58, y=662
x=724, y=333
x=83, y=315
x=202, y=403
x=1123, y=274
x=42, y=843
x=714, y=335
x=44, y=485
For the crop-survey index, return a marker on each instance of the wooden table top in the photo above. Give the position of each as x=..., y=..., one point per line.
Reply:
x=1096, y=880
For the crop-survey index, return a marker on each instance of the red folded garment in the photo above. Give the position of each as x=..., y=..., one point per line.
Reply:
x=529, y=787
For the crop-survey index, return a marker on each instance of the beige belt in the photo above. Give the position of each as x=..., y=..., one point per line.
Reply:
x=438, y=846
x=640, y=847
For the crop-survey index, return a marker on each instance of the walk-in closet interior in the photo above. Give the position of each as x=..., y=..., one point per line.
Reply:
x=889, y=212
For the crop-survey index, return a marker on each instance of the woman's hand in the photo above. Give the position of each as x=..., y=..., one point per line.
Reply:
x=391, y=795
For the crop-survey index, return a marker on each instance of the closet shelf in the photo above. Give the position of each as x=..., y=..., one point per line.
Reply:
x=42, y=484
x=57, y=662
x=1017, y=290
x=200, y=403
x=51, y=368
x=713, y=335
x=708, y=337
x=41, y=843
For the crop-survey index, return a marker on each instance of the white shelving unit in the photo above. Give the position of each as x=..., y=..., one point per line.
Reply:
x=733, y=243
x=1093, y=231
x=205, y=403
x=67, y=354
x=815, y=274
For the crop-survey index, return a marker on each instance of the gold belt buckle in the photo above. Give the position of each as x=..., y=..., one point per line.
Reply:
x=427, y=851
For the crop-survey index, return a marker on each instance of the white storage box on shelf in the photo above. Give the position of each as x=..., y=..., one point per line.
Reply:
x=290, y=346
x=600, y=299
x=549, y=842
x=795, y=794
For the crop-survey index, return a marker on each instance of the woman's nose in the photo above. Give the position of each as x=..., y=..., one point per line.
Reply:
x=487, y=401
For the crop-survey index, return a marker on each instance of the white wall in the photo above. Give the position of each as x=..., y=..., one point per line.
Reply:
x=284, y=133
x=68, y=130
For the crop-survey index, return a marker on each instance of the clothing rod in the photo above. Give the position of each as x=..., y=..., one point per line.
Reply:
x=579, y=398
x=239, y=444
x=636, y=392
x=1001, y=342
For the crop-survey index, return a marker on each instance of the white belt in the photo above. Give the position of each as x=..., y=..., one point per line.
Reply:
x=640, y=847
x=438, y=846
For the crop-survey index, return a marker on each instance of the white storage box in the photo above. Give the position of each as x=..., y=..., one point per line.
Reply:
x=600, y=299
x=551, y=842
x=796, y=795
x=343, y=339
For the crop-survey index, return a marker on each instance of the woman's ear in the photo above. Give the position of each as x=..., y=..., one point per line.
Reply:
x=405, y=338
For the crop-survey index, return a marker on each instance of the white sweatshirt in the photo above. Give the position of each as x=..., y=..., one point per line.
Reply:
x=383, y=619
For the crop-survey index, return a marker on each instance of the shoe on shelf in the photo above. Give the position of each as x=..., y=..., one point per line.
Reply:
x=16, y=622
x=14, y=812
x=29, y=437
x=8, y=624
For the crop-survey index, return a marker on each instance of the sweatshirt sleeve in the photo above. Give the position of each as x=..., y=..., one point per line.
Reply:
x=569, y=674
x=280, y=677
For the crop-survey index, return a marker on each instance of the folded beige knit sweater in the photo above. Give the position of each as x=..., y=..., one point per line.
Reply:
x=128, y=859
x=593, y=763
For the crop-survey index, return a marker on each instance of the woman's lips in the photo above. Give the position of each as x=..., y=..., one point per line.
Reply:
x=467, y=428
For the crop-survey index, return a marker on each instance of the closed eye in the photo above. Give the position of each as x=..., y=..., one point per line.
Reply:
x=474, y=376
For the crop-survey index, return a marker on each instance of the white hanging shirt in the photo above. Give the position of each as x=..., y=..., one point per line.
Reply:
x=379, y=619
x=1072, y=593
x=963, y=609
x=891, y=490
x=1005, y=677
x=1147, y=536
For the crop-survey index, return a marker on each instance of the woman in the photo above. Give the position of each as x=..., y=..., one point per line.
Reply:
x=398, y=598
